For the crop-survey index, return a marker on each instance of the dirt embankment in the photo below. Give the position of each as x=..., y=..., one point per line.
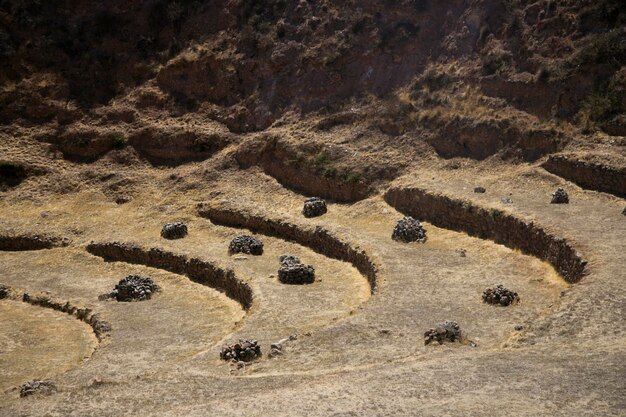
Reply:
x=169, y=145
x=202, y=272
x=591, y=175
x=295, y=171
x=318, y=238
x=493, y=224
x=30, y=242
x=100, y=327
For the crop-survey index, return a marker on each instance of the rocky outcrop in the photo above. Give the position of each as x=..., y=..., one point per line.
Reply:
x=198, y=270
x=494, y=224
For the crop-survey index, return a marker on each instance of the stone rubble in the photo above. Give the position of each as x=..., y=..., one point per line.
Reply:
x=447, y=331
x=314, y=207
x=134, y=288
x=246, y=244
x=176, y=230
x=37, y=386
x=560, y=197
x=500, y=295
x=5, y=291
x=292, y=271
x=244, y=351
x=409, y=230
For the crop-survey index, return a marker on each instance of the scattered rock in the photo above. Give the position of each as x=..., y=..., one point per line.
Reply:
x=176, y=230
x=276, y=349
x=134, y=288
x=123, y=200
x=37, y=387
x=244, y=351
x=624, y=211
x=519, y=328
x=480, y=190
x=409, y=230
x=560, y=197
x=246, y=244
x=446, y=331
x=506, y=200
x=462, y=252
x=5, y=291
x=314, y=207
x=500, y=295
x=292, y=271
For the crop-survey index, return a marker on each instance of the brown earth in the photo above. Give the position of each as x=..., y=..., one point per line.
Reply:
x=119, y=117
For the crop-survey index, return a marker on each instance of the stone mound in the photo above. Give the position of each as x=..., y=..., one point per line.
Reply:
x=134, y=288
x=292, y=271
x=560, y=197
x=37, y=386
x=246, y=244
x=245, y=351
x=314, y=207
x=500, y=296
x=176, y=230
x=409, y=230
x=447, y=331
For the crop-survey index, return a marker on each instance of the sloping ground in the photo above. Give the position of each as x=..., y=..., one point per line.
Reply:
x=370, y=349
x=39, y=343
x=117, y=118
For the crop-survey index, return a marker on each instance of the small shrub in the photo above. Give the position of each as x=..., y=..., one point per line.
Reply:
x=320, y=160
x=353, y=177
x=330, y=172
x=118, y=141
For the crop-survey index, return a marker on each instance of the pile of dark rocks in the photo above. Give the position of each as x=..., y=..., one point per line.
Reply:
x=246, y=244
x=244, y=351
x=500, y=295
x=292, y=271
x=447, y=331
x=409, y=230
x=5, y=291
x=176, y=230
x=134, y=288
x=480, y=190
x=560, y=197
x=37, y=386
x=314, y=207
